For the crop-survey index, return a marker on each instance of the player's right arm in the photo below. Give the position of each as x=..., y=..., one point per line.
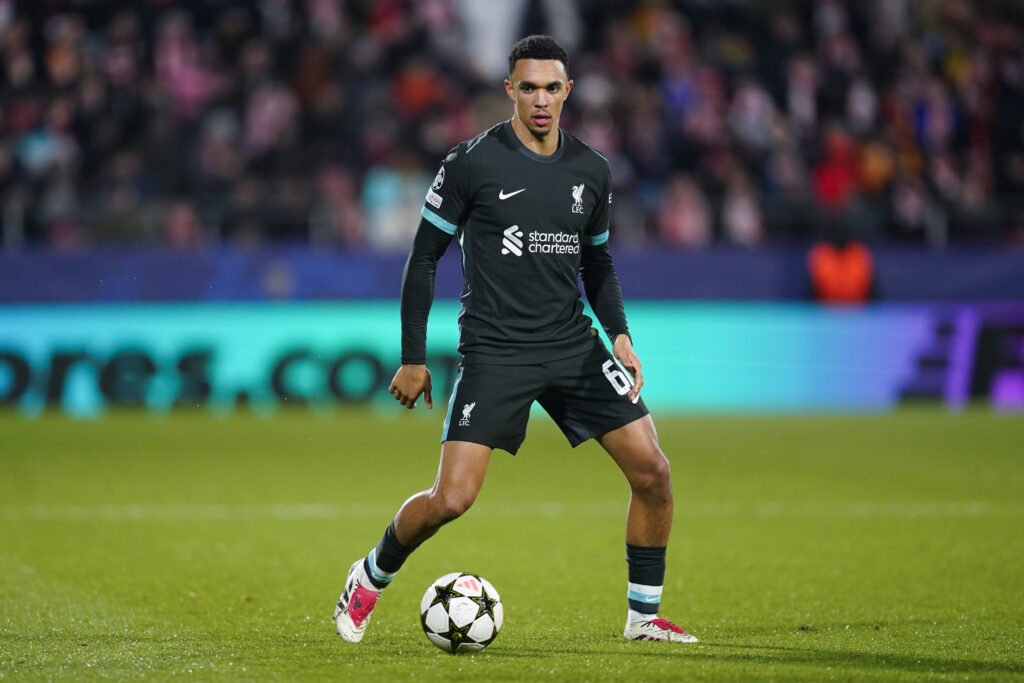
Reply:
x=413, y=377
x=409, y=382
x=443, y=210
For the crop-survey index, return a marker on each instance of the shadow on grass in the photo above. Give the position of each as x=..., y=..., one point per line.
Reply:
x=884, y=661
x=792, y=656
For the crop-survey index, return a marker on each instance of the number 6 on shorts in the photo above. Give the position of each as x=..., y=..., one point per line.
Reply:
x=617, y=377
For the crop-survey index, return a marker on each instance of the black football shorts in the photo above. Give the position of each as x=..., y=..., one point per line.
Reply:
x=586, y=396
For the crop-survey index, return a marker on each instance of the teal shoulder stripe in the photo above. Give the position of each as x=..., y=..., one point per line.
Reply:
x=476, y=141
x=594, y=240
x=449, y=228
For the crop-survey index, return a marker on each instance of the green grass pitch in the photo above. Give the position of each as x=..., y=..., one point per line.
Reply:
x=851, y=548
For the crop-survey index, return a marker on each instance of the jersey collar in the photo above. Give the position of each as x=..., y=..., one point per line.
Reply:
x=529, y=153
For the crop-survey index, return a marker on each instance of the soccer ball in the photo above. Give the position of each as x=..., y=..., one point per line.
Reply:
x=461, y=612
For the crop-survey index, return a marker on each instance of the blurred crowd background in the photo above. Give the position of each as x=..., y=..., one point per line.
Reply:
x=744, y=122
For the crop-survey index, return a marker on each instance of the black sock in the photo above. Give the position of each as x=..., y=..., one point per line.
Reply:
x=646, y=576
x=384, y=561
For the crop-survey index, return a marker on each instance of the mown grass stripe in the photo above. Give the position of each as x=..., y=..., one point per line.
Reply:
x=337, y=511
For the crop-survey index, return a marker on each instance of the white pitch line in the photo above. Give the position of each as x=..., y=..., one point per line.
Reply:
x=189, y=512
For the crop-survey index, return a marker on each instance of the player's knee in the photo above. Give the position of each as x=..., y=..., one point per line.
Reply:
x=654, y=477
x=452, y=504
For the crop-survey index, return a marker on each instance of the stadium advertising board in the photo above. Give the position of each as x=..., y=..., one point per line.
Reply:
x=84, y=359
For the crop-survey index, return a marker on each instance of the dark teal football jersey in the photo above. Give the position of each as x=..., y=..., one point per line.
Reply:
x=520, y=219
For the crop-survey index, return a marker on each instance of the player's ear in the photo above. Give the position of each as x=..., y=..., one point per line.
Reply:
x=508, y=89
x=568, y=87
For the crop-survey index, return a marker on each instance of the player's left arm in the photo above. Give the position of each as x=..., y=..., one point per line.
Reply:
x=623, y=350
x=601, y=285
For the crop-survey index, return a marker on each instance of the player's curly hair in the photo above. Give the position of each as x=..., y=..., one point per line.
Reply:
x=536, y=47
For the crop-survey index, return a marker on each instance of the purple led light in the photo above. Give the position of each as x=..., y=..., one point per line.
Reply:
x=961, y=356
x=1007, y=391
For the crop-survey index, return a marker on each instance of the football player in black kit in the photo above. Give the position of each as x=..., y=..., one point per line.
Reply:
x=529, y=206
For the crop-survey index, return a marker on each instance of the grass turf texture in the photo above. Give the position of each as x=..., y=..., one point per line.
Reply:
x=881, y=547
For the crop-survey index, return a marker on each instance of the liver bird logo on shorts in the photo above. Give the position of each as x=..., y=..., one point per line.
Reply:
x=466, y=410
x=577, y=198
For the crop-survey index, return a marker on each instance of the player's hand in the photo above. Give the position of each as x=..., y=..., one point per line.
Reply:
x=410, y=381
x=622, y=347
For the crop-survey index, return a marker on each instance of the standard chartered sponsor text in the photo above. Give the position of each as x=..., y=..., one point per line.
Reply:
x=553, y=242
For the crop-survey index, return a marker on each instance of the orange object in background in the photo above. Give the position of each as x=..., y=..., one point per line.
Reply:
x=841, y=273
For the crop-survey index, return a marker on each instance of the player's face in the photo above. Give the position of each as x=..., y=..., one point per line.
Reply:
x=539, y=88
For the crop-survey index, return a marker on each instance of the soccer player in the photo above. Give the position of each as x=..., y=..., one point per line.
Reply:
x=529, y=205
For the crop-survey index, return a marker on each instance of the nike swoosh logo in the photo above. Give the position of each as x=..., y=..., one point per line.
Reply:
x=502, y=195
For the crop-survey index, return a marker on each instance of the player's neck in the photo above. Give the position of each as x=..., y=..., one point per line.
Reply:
x=545, y=146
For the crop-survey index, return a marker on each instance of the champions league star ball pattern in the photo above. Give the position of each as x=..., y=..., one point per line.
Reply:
x=461, y=612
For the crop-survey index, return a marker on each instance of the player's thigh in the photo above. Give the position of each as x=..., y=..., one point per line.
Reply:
x=461, y=473
x=588, y=395
x=462, y=469
x=490, y=404
x=635, y=449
